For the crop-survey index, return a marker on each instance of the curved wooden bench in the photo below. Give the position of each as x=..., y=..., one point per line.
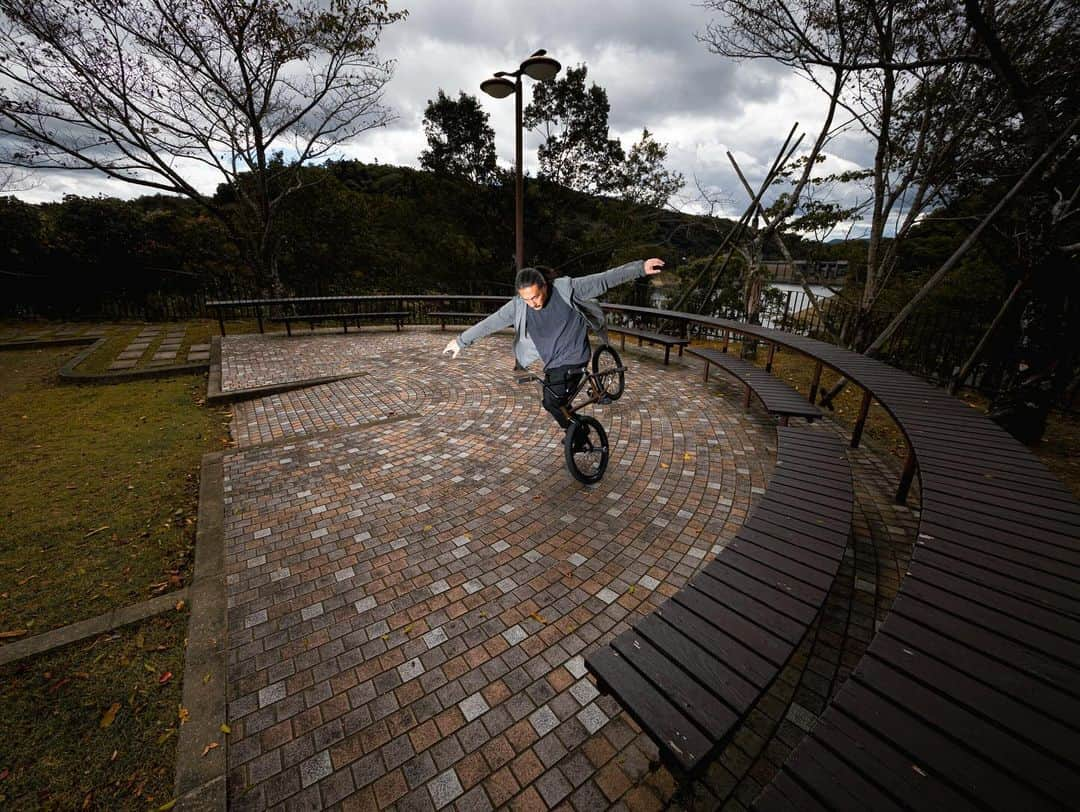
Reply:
x=968, y=697
x=777, y=397
x=445, y=315
x=395, y=317
x=690, y=671
x=668, y=341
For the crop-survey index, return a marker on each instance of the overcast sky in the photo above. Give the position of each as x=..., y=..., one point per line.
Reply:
x=643, y=52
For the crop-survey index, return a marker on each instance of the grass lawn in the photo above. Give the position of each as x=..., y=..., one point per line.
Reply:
x=99, y=487
x=58, y=749
x=99, y=495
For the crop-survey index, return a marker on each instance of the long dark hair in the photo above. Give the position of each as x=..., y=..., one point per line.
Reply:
x=541, y=275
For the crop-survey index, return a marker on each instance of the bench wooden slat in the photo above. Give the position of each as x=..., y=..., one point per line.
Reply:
x=707, y=643
x=749, y=607
x=955, y=763
x=783, y=794
x=1041, y=733
x=678, y=687
x=776, y=396
x=1032, y=615
x=1038, y=552
x=778, y=579
x=813, y=579
x=998, y=673
x=803, y=554
x=983, y=739
x=735, y=579
x=728, y=682
x=871, y=756
x=759, y=639
x=828, y=777
x=1001, y=583
x=653, y=712
x=934, y=601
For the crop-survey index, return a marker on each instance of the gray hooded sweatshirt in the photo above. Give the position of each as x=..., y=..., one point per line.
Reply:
x=580, y=293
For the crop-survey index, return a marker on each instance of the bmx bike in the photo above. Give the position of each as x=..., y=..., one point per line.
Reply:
x=586, y=442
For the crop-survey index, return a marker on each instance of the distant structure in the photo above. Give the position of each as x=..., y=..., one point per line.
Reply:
x=814, y=271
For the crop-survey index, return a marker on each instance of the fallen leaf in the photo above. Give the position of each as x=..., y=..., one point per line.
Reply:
x=164, y=736
x=630, y=590
x=110, y=715
x=206, y=678
x=183, y=714
x=149, y=667
x=95, y=532
x=224, y=728
x=115, y=753
x=179, y=605
x=209, y=747
x=12, y=633
x=165, y=678
x=165, y=807
x=539, y=618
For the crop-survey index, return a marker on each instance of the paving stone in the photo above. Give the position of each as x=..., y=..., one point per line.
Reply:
x=131, y=364
x=377, y=520
x=444, y=788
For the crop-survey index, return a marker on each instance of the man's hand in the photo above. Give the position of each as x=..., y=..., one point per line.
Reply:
x=452, y=347
x=653, y=266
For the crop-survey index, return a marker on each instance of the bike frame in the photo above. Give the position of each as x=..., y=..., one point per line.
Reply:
x=591, y=379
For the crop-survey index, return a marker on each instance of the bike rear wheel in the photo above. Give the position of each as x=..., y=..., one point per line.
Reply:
x=604, y=361
x=586, y=449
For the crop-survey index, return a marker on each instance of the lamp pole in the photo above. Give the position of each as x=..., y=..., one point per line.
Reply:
x=542, y=68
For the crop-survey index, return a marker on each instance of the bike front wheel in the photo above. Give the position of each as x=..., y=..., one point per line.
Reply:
x=586, y=449
x=605, y=362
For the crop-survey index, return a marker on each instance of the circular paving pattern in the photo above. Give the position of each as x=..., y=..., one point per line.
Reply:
x=413, y=576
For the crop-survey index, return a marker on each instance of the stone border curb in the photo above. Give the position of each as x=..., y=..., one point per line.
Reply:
x=213, y=385
x=69, y=375
x=44, y=343
x=107, y=622
x=200, y=779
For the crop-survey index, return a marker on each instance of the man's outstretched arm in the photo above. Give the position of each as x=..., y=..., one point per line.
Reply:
x=503, y=317
x=597, y=284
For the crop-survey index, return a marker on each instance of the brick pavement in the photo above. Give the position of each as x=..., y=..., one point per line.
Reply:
x=413, y=578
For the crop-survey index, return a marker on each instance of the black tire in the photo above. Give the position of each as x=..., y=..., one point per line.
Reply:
x=612, y=383
x=588, y=463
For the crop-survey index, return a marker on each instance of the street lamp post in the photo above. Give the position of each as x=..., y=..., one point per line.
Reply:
x=542, y=68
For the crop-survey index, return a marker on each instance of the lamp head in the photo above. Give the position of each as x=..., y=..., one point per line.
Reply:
x=499, y=87
x=540, y=67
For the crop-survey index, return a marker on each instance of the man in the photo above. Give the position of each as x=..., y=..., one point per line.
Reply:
x=551, y=321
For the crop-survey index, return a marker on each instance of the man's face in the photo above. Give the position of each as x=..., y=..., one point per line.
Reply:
x=534, y=295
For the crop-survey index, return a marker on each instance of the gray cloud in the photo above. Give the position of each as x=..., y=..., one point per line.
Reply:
x=644, y=53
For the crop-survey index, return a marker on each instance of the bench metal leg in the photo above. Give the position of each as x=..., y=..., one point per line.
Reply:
x=905, y=478
x=746, y=398
x=768, y=361
x=727, y=339
x=785, y=419
x=288, y=328
x=706, y=371
x=680, y=350
x=622, y=336
x=815, y=382
x=258, y=315
x=221, y=322
x=864, y=409
x=667, y=353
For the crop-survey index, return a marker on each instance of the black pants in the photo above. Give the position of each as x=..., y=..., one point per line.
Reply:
x=559, y=385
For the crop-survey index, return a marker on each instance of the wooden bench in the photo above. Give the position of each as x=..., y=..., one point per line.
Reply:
x=396, y=317
x=445, y=316
x=691, y=671
x=776, y=396
x=668, y=341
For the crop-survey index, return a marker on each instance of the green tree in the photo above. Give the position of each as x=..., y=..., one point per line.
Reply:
x=460, y=140
x=577, y=151
x=642, y=178
x=146, y=90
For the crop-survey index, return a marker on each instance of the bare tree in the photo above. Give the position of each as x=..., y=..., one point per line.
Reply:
x=153, y=92
x=892, y=68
